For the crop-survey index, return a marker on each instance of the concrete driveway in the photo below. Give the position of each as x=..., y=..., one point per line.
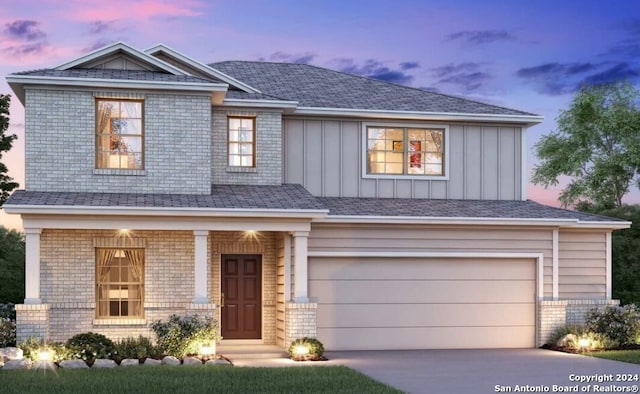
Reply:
x=491, y=371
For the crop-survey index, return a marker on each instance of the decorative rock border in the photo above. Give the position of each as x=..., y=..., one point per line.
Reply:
x=107, y=363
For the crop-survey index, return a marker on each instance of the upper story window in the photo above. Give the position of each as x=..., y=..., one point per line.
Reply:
x=242, y=145
x=119, y=134
x=119, y=282
x=405, y=151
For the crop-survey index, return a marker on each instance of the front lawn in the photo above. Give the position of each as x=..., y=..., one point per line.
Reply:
x=198, y=379
x=628, y=356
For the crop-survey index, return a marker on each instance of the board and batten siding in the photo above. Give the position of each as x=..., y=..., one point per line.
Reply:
x=424, y=238
x=582, y=264
x=325, y=156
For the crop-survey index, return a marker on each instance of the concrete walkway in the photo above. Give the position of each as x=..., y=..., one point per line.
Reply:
x=474, y=371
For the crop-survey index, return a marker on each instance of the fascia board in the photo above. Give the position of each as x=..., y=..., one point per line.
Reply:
x=443, y=116
x=201, y=66
x=115, y=83
x=163, y=211
x=259, y=103
x=121, y=46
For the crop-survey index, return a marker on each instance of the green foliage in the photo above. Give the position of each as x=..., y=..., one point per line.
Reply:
x=314, y=349
x=8, y=311
x=140, y=348
x=11, y=266
x=625, y=257
x=621, y=324
x=32, y=347
x=596, y=144
x=7, y=332
x=183, y=336
x=90, y=346
x=596, y=341
x=6, y=182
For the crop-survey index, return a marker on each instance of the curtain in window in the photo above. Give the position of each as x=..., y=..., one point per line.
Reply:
x=135, y=258
x=436, y=136
x=105, y=262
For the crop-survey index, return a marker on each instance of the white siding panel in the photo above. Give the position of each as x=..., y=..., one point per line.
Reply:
x=472, y=163
x=350, y=158
x=313, y=157
x=490, y=170
x=331, y=159
x=508, y=166
x=294, y=146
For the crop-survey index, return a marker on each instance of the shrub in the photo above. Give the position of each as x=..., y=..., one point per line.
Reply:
x=140, y=348
x=8, y=311
x=621, y=324
x=90, y=346
x=7, y=332
x=183, y=336
x=32, y=347
x=313, y=349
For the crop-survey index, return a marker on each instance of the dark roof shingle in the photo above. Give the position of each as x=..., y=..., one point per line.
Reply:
x=129, y=75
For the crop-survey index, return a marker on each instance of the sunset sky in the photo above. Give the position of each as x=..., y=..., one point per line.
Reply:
x=528, y=55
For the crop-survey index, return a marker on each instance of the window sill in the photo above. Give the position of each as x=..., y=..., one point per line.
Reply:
x=408, y=177
x=118, y=171
x=249, y=170
x=119, y=322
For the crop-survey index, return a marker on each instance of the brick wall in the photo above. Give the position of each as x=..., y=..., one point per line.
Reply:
x=268, y=169
x=300, y=321
x=33, y=321
x=60, y=144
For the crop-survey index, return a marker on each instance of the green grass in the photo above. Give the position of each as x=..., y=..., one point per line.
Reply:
x=628, y=356
x=192, y=379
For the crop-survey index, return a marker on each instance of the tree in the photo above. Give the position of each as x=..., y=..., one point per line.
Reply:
x=11, y=266
x=597, y=144
x=6, y=182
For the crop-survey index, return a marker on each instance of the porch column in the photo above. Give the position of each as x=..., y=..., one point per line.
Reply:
x=300, y=266
x=32, y=266
x=201, y=275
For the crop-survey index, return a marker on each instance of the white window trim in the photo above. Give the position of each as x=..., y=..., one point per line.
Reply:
x=444, y=127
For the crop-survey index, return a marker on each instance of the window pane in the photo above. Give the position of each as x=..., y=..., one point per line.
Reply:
x=416, y=134
x=234, y=149
x=246, y=149
x=247, y=161
x=234, y=160
x=247, y=136
x=131, y=109
x=234, y=123
x=119, y=277
x=394, y=134
x=234, y=135
x=131, y=126
x=247, y=124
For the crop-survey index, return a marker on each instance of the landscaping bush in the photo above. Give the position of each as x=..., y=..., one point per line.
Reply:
x=32, y=347
x=183, y=336
x=620, y=324
x=313, y=349
x=7, y=332
x=140, y=348
x=90, y=346
x=8, y=311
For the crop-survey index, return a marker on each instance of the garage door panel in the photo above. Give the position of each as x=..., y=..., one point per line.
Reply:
x=426, y=338
x=424, y=303
x=446, y=291
x=415, y=268
x=425, y=315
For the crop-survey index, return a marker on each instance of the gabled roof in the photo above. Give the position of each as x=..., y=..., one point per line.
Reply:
x=316, y=87
x=188, y=62
x=111, y=74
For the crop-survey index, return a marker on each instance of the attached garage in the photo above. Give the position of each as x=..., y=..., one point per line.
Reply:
x=377, y=303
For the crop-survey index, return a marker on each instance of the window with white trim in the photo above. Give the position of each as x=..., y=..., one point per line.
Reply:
x=119, y=134
x=119, y=283
x=405, y=151
x=241, y=142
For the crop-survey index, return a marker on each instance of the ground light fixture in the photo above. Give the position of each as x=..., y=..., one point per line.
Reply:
x=207, y=350
x=301, y=350
x=584, y=343
x=45, y=355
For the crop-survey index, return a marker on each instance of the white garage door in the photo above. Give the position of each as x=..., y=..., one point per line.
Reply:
x=420, y=303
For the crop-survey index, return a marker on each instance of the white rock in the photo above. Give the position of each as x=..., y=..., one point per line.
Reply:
x=170, y=360
x=44, y=365
x=218, y=361
x=73, y=364
x=17, y=364
x=11, y=353
x=152, y=362
x=104, y=363
x=191, y=361
x=129, y=362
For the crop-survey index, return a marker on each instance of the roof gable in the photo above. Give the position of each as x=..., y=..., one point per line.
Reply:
x=120, y=56
x=194, y=67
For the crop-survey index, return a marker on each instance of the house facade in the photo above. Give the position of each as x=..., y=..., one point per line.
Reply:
x=287, y=200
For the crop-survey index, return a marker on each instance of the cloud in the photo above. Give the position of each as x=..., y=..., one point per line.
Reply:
x=285, y=57
x=564, y=78
x=24, y=30
x=103, y=42
x=25, y=49
x=466, y=75
x=479, y=37
x=126, y=9
x=99, y=27
x=377, y=70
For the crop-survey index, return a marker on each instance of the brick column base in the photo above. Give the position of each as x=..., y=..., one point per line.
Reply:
x=32, y=320
x=208, y=310
x=300, y=321
x=555, y=314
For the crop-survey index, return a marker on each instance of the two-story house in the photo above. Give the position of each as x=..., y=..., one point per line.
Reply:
x=289, y=200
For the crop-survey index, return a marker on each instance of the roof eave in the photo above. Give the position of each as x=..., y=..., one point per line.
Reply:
x=284, y=104
x=529, y=120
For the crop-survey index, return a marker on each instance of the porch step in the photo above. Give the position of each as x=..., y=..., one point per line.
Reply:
x=250, y=352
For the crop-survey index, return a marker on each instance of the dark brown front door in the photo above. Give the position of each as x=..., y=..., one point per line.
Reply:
x=242, y=290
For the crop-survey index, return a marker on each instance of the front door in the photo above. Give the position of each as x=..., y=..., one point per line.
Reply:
x=242, y=291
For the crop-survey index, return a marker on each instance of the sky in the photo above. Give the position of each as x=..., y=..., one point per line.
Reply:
x=527, y=55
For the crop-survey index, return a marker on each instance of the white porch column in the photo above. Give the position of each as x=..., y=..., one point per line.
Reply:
x=300, y=280
x=287, y=268
x=201, y=275
x=32, y=266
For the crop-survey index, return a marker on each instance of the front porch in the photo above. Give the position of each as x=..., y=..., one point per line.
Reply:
x=183, y=273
